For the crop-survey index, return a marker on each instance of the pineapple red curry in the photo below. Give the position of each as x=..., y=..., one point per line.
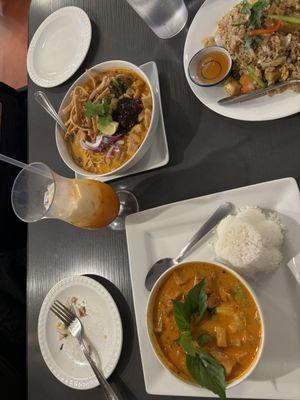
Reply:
x=203, y=316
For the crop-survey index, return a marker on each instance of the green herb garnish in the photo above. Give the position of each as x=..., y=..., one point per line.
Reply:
x=204, y=339
x=255, y=19
x=203, y=368
x=207, y=372
x=97, y=109
x=255, y=12
x=252, y=42
x=103, y=110
x=182, y=317
x=246, y=7
x=196, y=299
x=186, y=341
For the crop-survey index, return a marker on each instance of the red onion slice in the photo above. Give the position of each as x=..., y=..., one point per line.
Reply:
x=109, y=153
x=91, y=146
x=103, y=142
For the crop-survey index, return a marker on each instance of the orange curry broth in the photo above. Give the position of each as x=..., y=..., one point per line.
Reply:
x=236, y=315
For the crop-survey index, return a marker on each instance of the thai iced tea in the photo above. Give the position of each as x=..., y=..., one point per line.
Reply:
x=85, y=203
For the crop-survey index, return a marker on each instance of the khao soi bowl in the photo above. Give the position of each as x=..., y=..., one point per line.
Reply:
x=90, y=153
x=231, y=330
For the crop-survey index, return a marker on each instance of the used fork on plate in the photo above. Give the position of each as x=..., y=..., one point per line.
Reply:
x=75, y=328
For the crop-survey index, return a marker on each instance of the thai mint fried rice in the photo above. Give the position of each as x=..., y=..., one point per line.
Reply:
x=263, y=38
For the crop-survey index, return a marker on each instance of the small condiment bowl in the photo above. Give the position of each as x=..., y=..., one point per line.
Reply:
x=150, y=329
x=192, y=68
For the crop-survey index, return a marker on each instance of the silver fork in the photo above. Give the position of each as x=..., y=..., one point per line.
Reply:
x=75, y=328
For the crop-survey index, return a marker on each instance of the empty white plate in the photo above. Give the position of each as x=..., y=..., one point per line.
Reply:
x=102, y=326
x=59, y=46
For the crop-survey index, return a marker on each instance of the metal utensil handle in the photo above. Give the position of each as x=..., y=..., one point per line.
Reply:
x=217, y=216
x=108, y=390
x=43, y=101
x=256, y=93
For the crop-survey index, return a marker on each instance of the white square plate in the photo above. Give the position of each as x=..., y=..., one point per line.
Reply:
x=158, y=154
x=162, y=231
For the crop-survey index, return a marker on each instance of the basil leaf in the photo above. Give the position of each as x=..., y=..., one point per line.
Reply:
x=207, y=372
x=202, y=301
x=186, y=341
x=205, y=338
x=196, y=299
x=192, y=299
x=181, y=316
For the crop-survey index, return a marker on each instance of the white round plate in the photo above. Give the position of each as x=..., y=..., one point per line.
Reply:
x=262, y=109
x=74, y=372
x=59, y=46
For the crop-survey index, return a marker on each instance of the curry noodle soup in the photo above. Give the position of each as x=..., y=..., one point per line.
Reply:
x=107, y=119
x=231, y=324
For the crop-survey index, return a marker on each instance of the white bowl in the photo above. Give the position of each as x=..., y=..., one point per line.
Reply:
x=192, y=68
x=61, y=144
x=150, y=327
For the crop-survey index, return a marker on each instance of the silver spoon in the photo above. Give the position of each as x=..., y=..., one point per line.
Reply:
x=162, y=265
x=44, y=102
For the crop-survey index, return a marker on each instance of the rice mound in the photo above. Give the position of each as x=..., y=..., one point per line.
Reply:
x=250, y=241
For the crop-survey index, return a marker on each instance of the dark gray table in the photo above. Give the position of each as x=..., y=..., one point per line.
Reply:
x=208, y=153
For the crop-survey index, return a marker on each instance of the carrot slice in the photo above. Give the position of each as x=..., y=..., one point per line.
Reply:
x=265, y=31
x=246, y=83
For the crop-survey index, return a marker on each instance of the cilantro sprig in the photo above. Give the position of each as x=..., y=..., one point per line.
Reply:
x=257, y=8
x=103, y=110
x=252, y=42
x=203, y=368
x=255, y=13
x=245, y=7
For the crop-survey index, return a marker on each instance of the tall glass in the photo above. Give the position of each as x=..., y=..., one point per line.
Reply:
x=165, y=17
x=84, y=203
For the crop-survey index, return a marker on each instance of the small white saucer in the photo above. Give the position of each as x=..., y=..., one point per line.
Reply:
x=158, y=154
x=59, y=46
x=107, y=326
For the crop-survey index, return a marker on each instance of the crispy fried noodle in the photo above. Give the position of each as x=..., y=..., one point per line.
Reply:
x=107, y=119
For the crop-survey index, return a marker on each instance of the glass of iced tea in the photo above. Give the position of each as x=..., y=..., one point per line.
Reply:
x=41, y=193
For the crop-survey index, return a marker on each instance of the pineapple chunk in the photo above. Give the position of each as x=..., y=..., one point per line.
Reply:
x=221, y=336
x=226, y=309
